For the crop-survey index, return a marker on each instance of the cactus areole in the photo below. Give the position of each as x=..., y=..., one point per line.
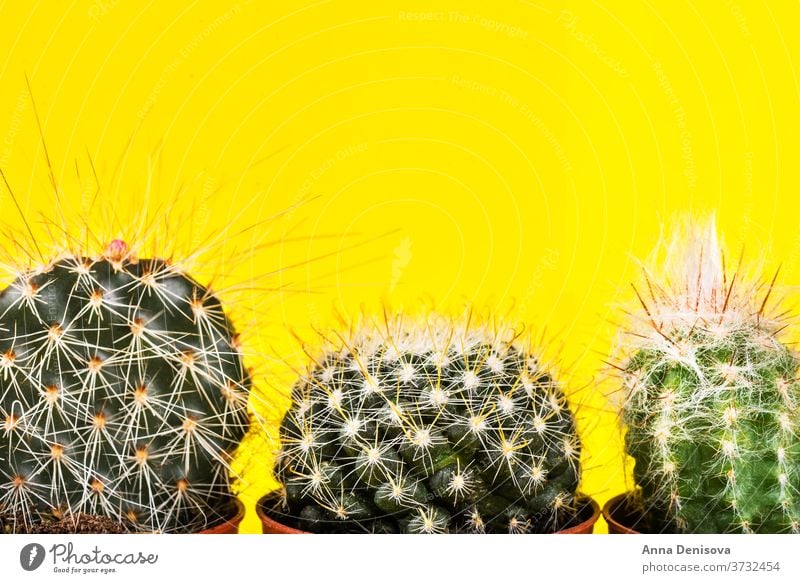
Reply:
x=122, y=394
x=712, y=404
x=428, y=431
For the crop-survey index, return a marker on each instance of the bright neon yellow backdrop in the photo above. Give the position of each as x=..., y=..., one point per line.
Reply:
x=498, y=152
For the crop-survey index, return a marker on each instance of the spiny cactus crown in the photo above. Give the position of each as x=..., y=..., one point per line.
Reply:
x=712, y=403
x=122, y=393
x=424, y=430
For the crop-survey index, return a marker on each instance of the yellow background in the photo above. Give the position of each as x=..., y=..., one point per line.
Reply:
x=518, y=154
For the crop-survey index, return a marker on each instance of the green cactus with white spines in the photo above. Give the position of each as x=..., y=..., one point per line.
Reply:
x=424, y=429
x=123, y=393
x=712, y=401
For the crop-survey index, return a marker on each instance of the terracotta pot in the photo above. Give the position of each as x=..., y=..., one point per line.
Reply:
x=587, y=526
x=272, y=526
x=231, y=524
x=620, y=518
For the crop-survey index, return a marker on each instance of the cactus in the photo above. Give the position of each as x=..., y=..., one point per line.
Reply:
x=437, y=427
x=711, y=401
x=122, y=393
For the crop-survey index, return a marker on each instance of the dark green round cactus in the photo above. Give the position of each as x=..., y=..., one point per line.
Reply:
x=122, y=394
x=712, y=404
x=435, y=429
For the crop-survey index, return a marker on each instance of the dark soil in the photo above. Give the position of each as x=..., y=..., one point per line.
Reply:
x=93, y=524
x=78, y=524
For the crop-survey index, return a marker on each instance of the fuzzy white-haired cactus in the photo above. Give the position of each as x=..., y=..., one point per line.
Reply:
x=122, y=393
x=427, y=427
x=712, y=399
